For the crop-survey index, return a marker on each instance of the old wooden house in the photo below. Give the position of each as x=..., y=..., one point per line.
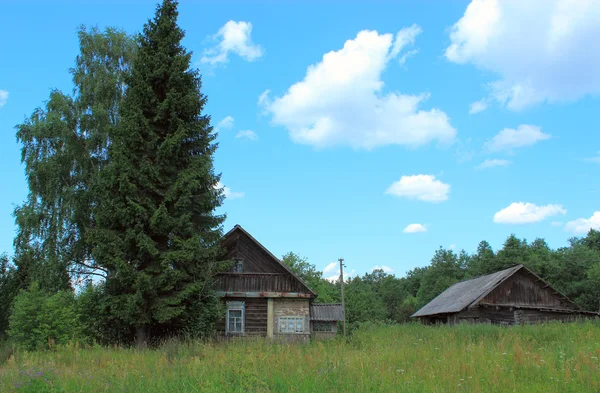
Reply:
x=508, y=297
x=263, y=297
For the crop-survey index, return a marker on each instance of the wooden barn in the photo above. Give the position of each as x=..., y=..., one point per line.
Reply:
x=263, y=297
x=508, y=297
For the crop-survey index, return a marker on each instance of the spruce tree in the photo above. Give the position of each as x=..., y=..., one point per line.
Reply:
x=157, y=232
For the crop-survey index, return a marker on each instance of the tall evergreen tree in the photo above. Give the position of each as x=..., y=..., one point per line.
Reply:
x=157, y=231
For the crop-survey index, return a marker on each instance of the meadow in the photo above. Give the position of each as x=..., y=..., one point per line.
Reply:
x=397, y=358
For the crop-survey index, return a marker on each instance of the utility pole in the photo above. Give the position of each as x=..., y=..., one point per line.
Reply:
x=342, y=285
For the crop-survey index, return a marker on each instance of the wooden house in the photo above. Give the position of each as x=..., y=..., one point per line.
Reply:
x=508, y=297
x=263, y=297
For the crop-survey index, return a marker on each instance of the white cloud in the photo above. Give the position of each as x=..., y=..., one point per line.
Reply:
x=542, y=50
x=509, y=138
x=234, y=38
x=414, y=228
x=331, y=267
x=526, y=213
x=3, y=97
x=228, y=193
x=581, y=226
x=336, y=277
x=477, y=107
x=385, y=268
x=490, y=163
x=406, y=55
x=341, y=101
x=247, y=134
x=422, y=187
x=226, y=122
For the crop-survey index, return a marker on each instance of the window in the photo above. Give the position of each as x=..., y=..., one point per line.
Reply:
x=322, y=326
x=238, y=266
x=291, y=324
x=235, y=318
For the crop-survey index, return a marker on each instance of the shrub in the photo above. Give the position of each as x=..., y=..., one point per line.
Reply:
x=40, y=321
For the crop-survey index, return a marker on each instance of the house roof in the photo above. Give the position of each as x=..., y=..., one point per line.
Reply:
x=470, y=292
x=239, y=227
x=326, y=312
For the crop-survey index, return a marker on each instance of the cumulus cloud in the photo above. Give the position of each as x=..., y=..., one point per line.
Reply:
x=331, y=267
x=490, y=163
x=3, y=97
x=234, y=37
x=226, y=122
x=229, y=194
x=541, y=50
x=477, y=107
x=422, y=187
x=582, y=226
x=414, y=228
x=510, y=138
x=385, y=268
x=247, y=134
x=526, y=213
x=341, y=101
x=335, y=277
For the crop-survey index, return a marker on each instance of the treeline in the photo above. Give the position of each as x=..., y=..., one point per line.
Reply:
x=382, y=297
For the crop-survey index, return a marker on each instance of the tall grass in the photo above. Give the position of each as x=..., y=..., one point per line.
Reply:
x=407, y=358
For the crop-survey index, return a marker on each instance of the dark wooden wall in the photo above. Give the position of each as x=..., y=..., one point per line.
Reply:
x=258, y=282
x=523, y=290
x=255, y=316
x=256, y=260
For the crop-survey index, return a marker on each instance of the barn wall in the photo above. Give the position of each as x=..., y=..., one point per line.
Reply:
x=255, y=316
x=523, y=290
x=539, y=316
x=291, y=307
x=502, y=316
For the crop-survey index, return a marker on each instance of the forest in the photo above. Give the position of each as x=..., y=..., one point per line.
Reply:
x=118, y=240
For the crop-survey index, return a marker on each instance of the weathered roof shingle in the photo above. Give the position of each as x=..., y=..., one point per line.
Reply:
x=326, y=312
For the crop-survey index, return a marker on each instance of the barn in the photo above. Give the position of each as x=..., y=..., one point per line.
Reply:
x=262, y=296
x=508, y=297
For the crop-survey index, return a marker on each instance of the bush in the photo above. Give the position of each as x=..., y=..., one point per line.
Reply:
x=40, y=321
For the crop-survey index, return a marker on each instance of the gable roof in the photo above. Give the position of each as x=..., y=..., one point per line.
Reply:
x=238, y=227
x=326, y=312
x=470, y=292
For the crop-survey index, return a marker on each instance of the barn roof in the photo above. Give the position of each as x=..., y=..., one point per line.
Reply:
x=468, y=293
x=326, y=312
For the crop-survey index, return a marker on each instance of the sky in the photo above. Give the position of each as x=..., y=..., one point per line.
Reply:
x=376, y=133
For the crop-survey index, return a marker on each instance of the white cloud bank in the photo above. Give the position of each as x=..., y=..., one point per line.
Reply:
x=234, y=37
x=385, y=268
x=510, y=138
x=542, y=50
x=341, y=101
x=526, y=213
x=581, y=226
x=421, y=187
x=414, y=228
x=247, y=134
x=3, y=97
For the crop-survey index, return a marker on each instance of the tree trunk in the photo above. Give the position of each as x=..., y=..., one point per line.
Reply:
x=141, y=336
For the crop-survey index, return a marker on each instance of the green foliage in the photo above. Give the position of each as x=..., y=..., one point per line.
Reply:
x=157, y=234
x=9, y=287
x=39, y=320
x=327, y=291
x=64, y=148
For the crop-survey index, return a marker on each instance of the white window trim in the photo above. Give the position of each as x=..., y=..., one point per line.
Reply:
x=235, y=306
x=295, y=318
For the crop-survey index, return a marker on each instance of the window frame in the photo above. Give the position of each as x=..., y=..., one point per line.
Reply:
x=235, y=306
x=322, y=324
x=238, y=266
x=287, y=320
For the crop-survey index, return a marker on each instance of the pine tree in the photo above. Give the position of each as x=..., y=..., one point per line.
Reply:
x=157, y=231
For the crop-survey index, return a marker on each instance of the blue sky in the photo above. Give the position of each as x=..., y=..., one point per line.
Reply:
x=374, y=132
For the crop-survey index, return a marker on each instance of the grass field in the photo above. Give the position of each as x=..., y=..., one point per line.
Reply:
x=409, y=358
